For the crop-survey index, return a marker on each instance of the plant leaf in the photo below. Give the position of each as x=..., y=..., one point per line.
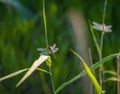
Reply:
x=13, y=74
x=20, y=71
x=90, y=74
x=92, y=77
x=112, y=79
x=110, y=72
x=36, y=64
x=94, y=39
x=83, y=73
x=39, y=69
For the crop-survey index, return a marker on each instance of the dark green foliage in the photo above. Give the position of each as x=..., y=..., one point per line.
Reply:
x=22, y=32
x=19, y=39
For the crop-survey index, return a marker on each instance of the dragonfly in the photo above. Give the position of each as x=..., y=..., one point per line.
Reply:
x=50, y=50
x=102, y=27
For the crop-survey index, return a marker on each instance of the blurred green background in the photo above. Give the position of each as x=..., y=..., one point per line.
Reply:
x=22, y=32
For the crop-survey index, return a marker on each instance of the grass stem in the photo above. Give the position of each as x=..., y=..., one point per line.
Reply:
x=45, y=25
x=52, y=80
x=118, y=73
x=101, y=44
x=46, y=36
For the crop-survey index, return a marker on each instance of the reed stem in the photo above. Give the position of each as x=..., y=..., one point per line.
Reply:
x=52, y=80
x=45, y=25
x=101, y=44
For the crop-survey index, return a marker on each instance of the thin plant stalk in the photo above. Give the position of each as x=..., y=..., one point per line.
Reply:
x=118, y=73
x=95, y=40
x=45, y=25
x=90, y=56
x=91, y=63
x=103, y=32
x=104, y=11
x=52, y=81
x=100, y=57
x=101, y=44
x=46, y=36
x=49, y=63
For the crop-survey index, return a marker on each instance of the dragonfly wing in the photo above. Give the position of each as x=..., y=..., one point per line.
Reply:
x=97, y=27
x=96, y=24
x=108, y=30
x=41, y=49
x=54, y=46
x=55, y=50
x=50, y=50
x=45, y=53
x=109, y=26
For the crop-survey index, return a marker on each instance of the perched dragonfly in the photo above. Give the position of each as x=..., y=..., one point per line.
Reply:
x=50, y=50
x=102, y=27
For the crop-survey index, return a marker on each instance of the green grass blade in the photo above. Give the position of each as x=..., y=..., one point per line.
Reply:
x=83, y=73
x=19, y=72
x=36, y=64
x=110, y=72
x=13, y=74
x=93, y=79
x=95, y=40
x=42, y=70
x=90, y=74
x=45, y=25
x=112, y=79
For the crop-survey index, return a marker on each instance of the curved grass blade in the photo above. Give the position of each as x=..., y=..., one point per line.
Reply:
x=19, y=72
x=42, y=70
x=110, y=72
x=13, y=74
x=36, y=64
x=90, y=74
x=95, y=40
x=83, y=73
x=112, y=79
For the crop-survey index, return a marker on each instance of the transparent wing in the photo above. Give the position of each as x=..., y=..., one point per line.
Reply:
x=50, y=50
x=53, y=47
x=45, y=53
x=108, y=28
x=55, y=50
x=97, y=26
x=41, y=49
